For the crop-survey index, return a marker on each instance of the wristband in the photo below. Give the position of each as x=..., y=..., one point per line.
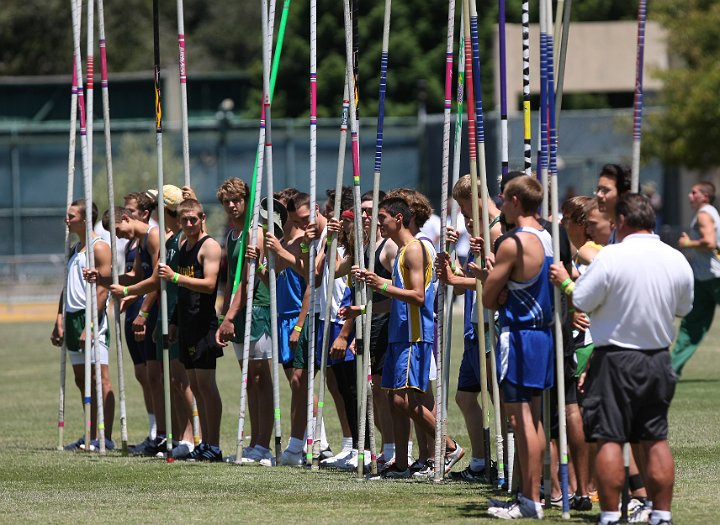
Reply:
x=297, y=328
x=686, y=243
x=221, y=318
x=175, y=277
x=125, y=291
x=144, y=315
x=565, y=283
x=569, y=289
x=304, y=248
x=261, y=267
x=383, y=289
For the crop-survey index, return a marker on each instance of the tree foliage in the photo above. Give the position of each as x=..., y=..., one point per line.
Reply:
x=685, y=132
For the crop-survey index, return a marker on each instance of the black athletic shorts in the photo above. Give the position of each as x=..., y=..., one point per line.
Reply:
x=203, y=354
x=378, y=342
x=628, y=394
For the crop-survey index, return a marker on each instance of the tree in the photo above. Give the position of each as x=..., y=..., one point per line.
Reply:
x=685, y=131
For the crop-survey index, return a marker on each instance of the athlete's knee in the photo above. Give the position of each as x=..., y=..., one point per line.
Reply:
x=466, y=400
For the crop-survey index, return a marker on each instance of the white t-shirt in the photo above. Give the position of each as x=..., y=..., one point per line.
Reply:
x=633, y=291
x=431, y=229
x=120, y=246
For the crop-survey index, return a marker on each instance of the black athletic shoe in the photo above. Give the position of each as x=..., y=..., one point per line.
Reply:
x=582, y=503
x=159, y=445
x=468, y=475
x=417, y=466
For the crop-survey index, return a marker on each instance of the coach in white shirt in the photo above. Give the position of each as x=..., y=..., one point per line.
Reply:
x=633, y=291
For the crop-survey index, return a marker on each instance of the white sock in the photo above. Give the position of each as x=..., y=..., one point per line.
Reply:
x=152, y=425
x=608, y=517
x=410, y=447
x=347, y=443
x=323, y=437
x=388, y=450
x=477, y=464
x=295, y=445
x=658, y=515
x=189, y=444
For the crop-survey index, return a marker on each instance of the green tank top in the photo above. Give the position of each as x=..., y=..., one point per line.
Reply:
x=261, y=297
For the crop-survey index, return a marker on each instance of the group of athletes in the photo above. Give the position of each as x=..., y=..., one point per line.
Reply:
x=617, y=316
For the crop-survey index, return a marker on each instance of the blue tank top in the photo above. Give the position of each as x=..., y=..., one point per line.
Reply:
x=290, y=289
x=145, y=257
x=529, y=304
x=410, y=323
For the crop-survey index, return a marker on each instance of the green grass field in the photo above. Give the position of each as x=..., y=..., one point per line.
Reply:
x=40, y=484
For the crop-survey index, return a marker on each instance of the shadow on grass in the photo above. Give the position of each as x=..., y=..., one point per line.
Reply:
x=699, y=381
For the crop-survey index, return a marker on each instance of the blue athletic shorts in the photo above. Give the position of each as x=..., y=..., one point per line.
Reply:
x=513, y=393
x=285, y=329
x=469, y=374
x=334, y=332
x=407, y=365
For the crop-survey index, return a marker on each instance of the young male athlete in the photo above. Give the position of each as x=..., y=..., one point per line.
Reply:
x=182, y=396
x=406, y=373
x=700, y=247
x=194, y=322
x=233, y=194
x=71, y=327
x=519, y=287
x=469, y=373
x=629, y=384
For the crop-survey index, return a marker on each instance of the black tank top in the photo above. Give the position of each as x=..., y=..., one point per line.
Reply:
x=195, y=311
x=380, y=270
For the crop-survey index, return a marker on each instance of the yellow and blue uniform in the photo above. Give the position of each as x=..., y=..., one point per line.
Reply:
x=411, y=330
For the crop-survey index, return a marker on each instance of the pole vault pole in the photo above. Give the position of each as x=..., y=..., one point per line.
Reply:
x=253, y=212
x=504, y=140
x=457, y=141
x=331, y=255
x=161, y=225
x=310, y=429
x=527, y=127
x=68, y=200
x=442, y=290
x=484, y=195
x=472, y=148
x=183, y=92
x=360, y=294
x=87, y=396
x=638, y=99
x=368, y=409
x=89, y=250
x=267, y=49
x=563, y=45
x=559, y=351
x=111, y=210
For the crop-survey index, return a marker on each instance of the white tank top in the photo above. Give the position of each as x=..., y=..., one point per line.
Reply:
x=75, y=297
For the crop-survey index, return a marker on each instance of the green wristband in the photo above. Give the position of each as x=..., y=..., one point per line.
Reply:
x=384, y=288
x=175, y=277
x=565, y=283
x=125, y=291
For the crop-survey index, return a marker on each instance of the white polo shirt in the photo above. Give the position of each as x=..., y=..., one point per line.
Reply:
x=633, y=290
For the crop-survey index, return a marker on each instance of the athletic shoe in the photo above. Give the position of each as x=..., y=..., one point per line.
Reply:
x=292, y=459
x=266, y=459
x=640, y=514
x=326, y=453
x=582, y=503
x=76, y=445
x=468, y=475
x=417, y=466
x=95, y=445
x=558, y=502
x=394, y=473
x=499, y=503
x=159, y=444
x=205, y=452
x=339, y=460
x=452, y=457
x=183, y=450
x=427, y=472
x=139, y=449
x=516, y=511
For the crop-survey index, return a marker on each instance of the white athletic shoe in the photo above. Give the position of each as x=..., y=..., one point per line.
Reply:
x=292, y=459
x=339, y=460
x=352, y=462
x=518, y=510
x=266, y=459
